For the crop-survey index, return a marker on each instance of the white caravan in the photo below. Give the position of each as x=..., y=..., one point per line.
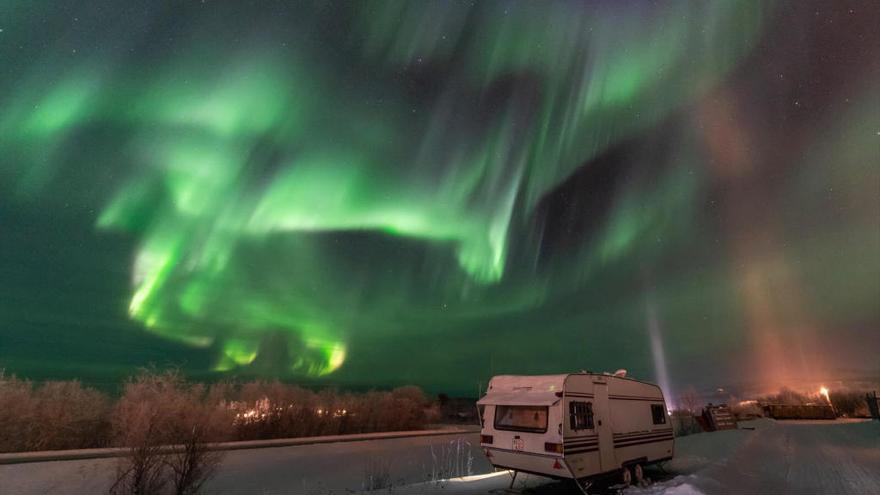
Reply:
x=575, y=426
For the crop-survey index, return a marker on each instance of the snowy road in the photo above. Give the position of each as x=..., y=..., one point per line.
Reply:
x=787, y=458
x=774, y=458
x=323, y=469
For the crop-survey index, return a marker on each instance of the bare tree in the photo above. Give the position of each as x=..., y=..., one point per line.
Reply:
x=191, y=463
x=166, y=425
x=689, y=400
x=140, y=471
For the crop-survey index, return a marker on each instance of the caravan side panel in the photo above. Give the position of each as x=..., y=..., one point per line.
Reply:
x=642, y=429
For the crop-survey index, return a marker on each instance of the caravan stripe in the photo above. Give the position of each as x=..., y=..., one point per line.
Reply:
x=585, y=451
x=625, y=440
x=640, y=433
x=522, y=452
x=633, y=437
x=621, y=396
x=637, y=440
x=643, y=437
x=633, y=444
x=626, y=397
x=642, y=440
x=592, y=448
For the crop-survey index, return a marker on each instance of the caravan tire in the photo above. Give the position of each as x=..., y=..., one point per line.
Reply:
x=639, y=474
x=626, y=476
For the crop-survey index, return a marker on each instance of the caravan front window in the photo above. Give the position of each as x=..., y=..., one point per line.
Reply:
x=659, y=415
x=521, y=418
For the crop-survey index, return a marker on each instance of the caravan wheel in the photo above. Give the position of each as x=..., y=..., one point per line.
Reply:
x=627, y=476
x=639, y=474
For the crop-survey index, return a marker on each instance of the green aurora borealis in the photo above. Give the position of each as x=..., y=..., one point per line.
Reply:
x=379, y=193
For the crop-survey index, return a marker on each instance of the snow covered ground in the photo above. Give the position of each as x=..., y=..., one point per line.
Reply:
x=778, y=457
x=772, y=458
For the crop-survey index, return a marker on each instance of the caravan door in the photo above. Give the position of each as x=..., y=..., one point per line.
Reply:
x=607, y=459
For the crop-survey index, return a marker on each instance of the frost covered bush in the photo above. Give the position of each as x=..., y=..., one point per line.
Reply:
x=155, y=409
x=17, y=413
x=787, y=396
x=685, y=423
x=69, y=416
x=849, y=403
x=165, y=424
x=274, y=409
x=53, y=416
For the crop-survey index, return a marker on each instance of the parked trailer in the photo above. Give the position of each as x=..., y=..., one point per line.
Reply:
x=575, y=426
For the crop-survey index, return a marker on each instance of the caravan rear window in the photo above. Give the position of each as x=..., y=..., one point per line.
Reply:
x=521, y=418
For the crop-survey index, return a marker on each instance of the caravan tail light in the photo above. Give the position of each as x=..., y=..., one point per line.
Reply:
x=553, y=447
x=485, y=438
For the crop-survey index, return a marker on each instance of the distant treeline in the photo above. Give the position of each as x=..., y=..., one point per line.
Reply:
x=848, y=403
x=59, y=415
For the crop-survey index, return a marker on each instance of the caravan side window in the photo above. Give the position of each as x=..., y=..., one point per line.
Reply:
x=581, y=415
x=659, y=414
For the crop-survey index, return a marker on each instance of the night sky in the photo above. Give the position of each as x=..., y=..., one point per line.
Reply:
x=370, y=194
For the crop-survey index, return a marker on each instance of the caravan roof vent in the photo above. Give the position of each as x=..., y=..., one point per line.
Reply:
x=621, y=373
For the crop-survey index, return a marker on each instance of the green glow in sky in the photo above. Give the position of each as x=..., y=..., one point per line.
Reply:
x=317, y=176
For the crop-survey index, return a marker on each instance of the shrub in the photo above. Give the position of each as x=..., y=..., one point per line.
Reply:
x=191, y=464
x=54, y=416
x=273, y=410
x=70, y=416
x=159, y=409
x=166, y=424
x=787, y=396
x=17, y=414
x=685, y=423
